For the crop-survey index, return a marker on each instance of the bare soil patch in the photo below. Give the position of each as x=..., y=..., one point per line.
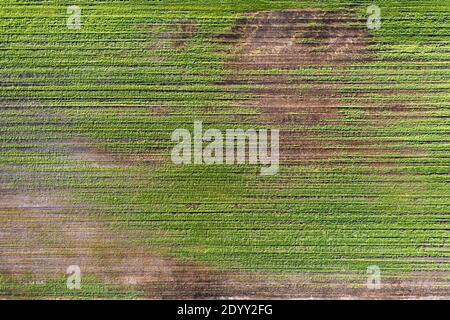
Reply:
x=267, y=49
x=82, y=150
x=290, y=40
x=294, y=38
x=39, y=238
x=41, y=234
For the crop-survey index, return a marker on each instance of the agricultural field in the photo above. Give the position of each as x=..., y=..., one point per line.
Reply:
x=91, y=93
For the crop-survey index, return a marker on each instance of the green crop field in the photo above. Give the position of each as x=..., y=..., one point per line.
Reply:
x=86, y=176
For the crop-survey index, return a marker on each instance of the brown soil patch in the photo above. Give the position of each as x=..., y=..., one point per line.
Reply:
x=295, y=38
x=175, y=35
x=84, y=151
x=40, y=239
x=287, y=41
x=290, y=40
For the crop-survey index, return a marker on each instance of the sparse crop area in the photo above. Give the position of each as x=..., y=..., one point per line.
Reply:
x=86, y=177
